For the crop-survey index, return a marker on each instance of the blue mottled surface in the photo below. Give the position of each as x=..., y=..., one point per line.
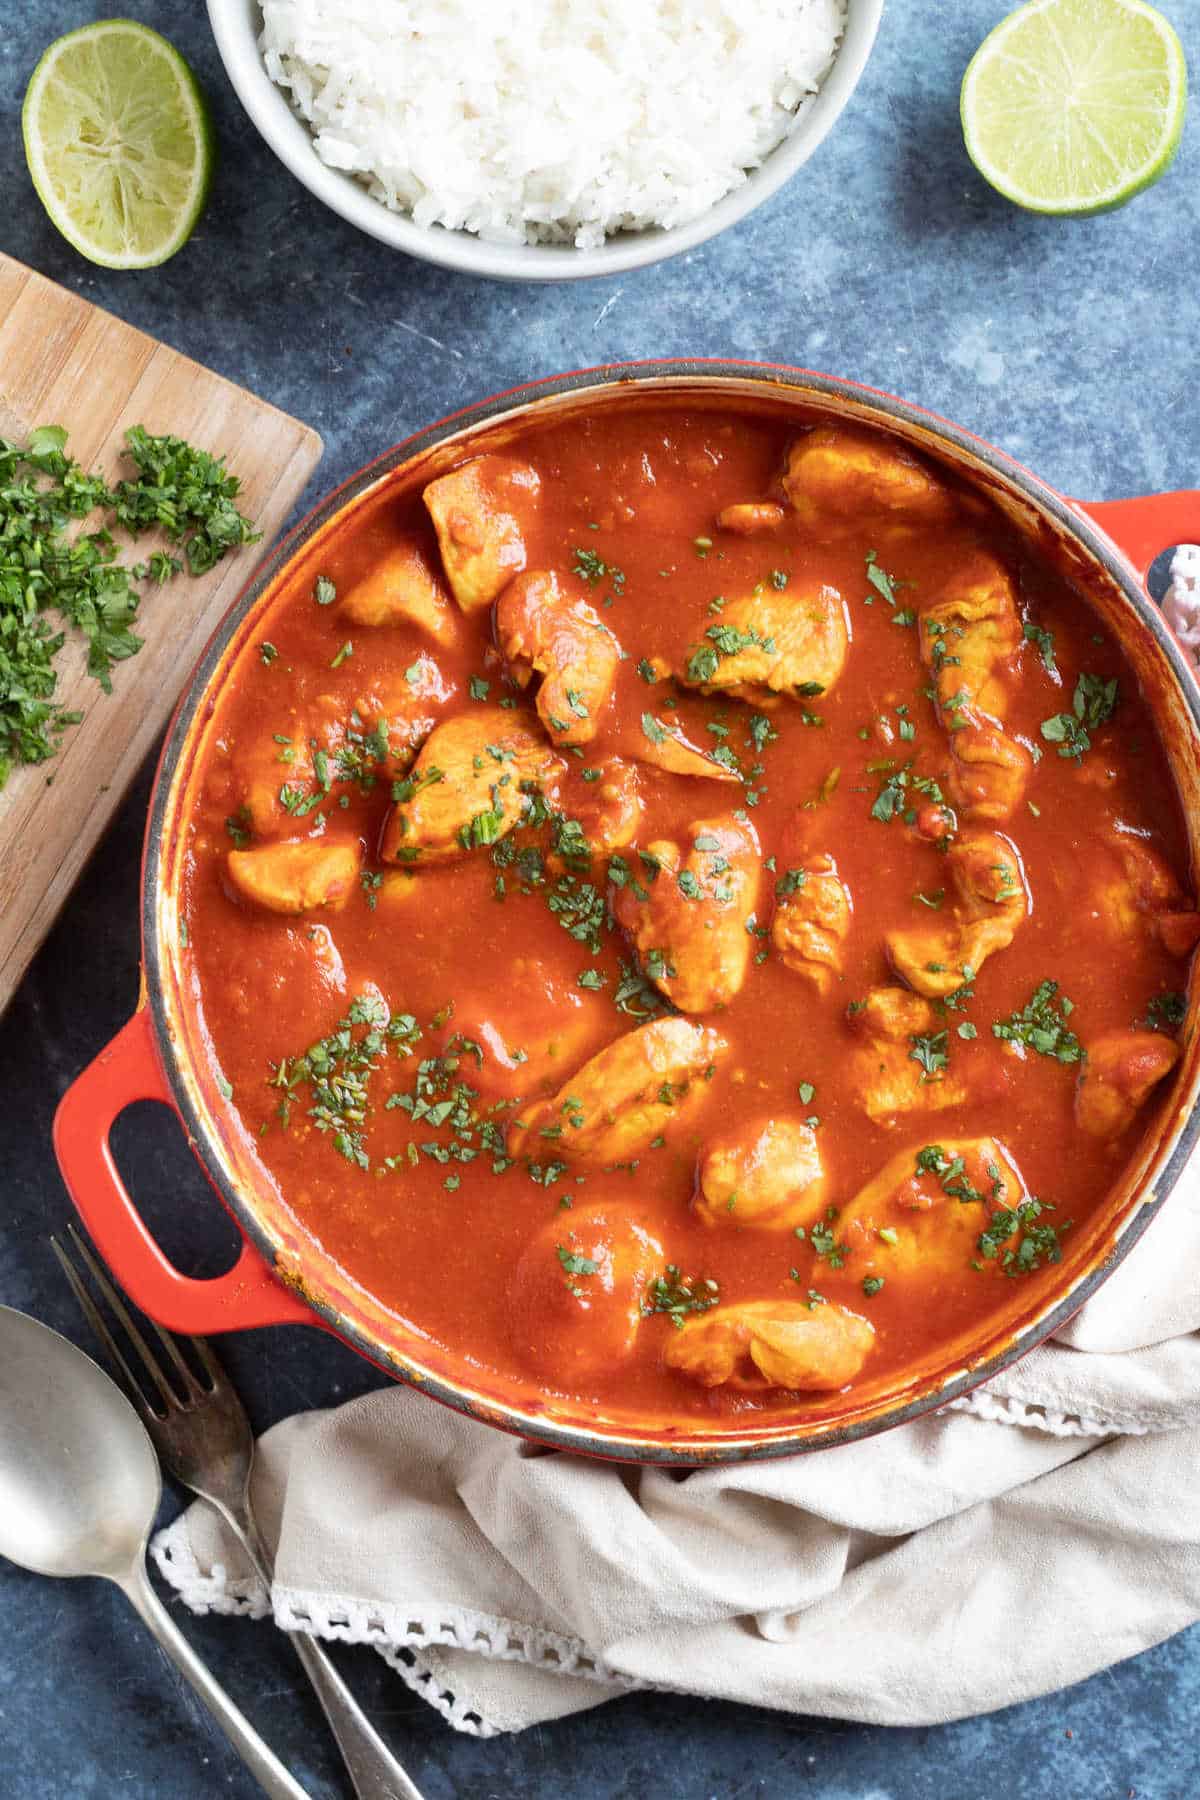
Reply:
x=1070, y=345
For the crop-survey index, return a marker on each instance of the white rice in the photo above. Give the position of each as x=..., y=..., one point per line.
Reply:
x=550, y=121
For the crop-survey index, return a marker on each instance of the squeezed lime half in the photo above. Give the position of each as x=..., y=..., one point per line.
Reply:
x=118, y=142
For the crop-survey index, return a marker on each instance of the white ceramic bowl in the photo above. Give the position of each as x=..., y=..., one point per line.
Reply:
x=235, y=25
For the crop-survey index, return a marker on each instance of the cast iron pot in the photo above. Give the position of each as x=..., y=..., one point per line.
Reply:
x=284, y=1277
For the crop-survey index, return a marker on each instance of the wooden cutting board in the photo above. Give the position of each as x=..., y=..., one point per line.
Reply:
x=64, y=362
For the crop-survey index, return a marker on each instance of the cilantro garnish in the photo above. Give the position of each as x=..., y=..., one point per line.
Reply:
x=1166, y=1012
x=931, y=1053
x=1037, y=634
x=1092, y=705
x=678, y=1295
x=1038, y=1242
x=1042, y=1026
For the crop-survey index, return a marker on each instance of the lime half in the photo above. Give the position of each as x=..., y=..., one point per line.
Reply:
x=118, y=143
x=1075, y=106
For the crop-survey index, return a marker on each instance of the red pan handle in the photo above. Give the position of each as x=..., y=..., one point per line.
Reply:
x=128, y=1069
x=1145, y=526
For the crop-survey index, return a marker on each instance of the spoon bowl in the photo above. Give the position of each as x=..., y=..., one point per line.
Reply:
x=79, y=1488
x=79, y=1480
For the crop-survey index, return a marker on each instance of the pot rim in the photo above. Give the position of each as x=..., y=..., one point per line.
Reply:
x=1153, y=1186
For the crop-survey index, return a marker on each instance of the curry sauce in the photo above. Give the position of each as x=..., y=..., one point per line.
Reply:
x=686, y=909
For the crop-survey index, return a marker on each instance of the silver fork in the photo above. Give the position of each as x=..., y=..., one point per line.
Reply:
x=204, y=1440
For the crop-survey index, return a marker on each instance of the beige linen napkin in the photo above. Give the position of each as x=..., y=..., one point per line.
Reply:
x=1023, y=1538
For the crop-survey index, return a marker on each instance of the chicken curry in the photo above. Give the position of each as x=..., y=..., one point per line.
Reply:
x=685, y=909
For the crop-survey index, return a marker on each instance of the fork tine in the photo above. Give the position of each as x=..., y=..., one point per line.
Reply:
x=95, y=1319
x=124, y=1317
x=205, y=1354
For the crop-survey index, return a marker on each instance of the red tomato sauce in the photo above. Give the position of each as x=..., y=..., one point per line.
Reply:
x=490, y=1263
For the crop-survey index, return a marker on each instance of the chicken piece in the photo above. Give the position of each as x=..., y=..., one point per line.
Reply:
x=991, y=899
x=809, y=1346
x=776, y=641
x=400, y=709
x=266, y=778
x=837, y=475
x=531, y=1030
x=967, y=635
x=695, y=913
x=1116, y=1077
x=632, y=1091
x=921, y=1217
x=989, y=771
x=767, y=1174
x=541, y=625
x=813, y=912
x=576, y=1295
x=608, y=809
x=889, y=1073
x=395, y=890
x=401, y=589
x=665, y=747
x=465, y=787
x=751, y=518
x=480, y=512
x=269, y=774
x=1143, y=896
x=296, y=877
x=283, y=780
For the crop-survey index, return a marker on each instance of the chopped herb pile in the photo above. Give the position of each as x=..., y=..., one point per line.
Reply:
x=183, y=492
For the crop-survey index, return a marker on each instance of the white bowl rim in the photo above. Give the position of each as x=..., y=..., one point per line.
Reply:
x=234, y=27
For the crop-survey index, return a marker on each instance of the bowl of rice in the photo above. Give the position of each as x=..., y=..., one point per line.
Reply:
x=544, y=140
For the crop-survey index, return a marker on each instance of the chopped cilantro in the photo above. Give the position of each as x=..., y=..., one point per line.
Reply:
x=1166, y=1012
x=592, y=568
x=574, y=1264
x=1037, y=634
x=678, y=1295
x=182, y=491
x=931, y=1053
x=1037, y=1241
x=1092, y=705
x=1041, y=1026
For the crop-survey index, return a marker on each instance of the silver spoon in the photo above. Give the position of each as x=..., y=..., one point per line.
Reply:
x=79, y=1489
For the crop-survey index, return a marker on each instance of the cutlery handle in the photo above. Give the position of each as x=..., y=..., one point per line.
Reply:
x=373, y=1770
x=261, y=1761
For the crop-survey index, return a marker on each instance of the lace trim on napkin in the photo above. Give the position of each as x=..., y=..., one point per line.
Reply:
x=394, y=1632
x=1181, y=602
x=1002, y=1409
